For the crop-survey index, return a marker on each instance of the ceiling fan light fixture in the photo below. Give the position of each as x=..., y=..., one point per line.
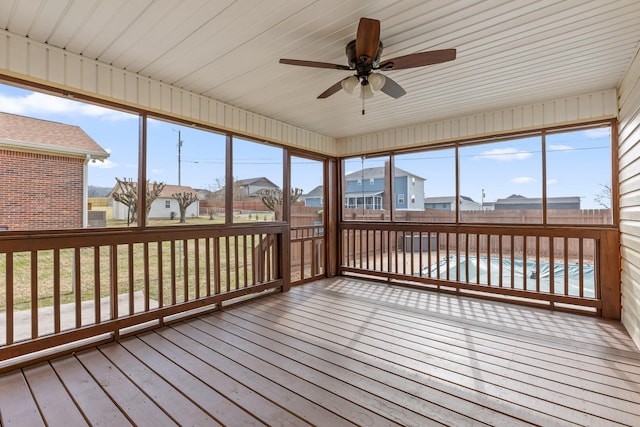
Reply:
x=349, y=84
x=377, y=81
x=365, y=91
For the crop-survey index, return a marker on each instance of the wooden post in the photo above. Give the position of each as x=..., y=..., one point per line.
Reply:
x=609, y=274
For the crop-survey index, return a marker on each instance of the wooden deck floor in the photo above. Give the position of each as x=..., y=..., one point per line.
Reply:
x=343, y=352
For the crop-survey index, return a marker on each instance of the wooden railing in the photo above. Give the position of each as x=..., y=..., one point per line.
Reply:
x=60, y=288
x=307, y=253
x=560, y=267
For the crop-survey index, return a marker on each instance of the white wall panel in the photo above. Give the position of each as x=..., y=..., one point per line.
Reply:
x=37, y=62
x=629, y=160
x=581, y=108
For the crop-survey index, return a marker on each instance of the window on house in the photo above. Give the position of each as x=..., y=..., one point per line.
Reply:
x=371, y=181
x=401, y=199
x=413, y=199
x=359, y=182
x=167, y=204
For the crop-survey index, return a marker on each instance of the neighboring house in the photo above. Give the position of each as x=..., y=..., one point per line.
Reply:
x=518, y=202
x=448, y=203
x=164, y=207
x=250, y=186
x=43, y=173
x=314, y=198
x=365, y=189
x=246, y=188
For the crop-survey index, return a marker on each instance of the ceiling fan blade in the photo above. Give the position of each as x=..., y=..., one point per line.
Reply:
x=314, y=64
x=392, y=88
x=418, y=59
x=368, y=39
x=333, y=89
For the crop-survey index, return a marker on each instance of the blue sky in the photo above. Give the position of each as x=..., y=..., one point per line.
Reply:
x=577, y=162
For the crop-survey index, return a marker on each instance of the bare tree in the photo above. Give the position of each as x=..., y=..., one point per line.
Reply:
x=603, y=198
x=185, y=199
x=127, y=193
x=272, y=197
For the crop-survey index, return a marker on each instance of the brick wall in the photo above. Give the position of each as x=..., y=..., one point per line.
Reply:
x=40, y=191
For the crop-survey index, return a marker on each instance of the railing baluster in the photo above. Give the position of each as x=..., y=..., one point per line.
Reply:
x=217, y=269
x=113, y=289
x=174, y=296
x=566, y=266
x=9, y=296
x=34, y=294
x=512, y=262
x=132, y=279
x=77, y=285
x=245, y=260
x=236, y=262
x=185, y=270
x=196, y=266
x=145, y=270
x=160, y=276
x=97, y=285
x=525, y=276
x=227, y=251
x=581, y=267
x=207, y=264
x=56, y=292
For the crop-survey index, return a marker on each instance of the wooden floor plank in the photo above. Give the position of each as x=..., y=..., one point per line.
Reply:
x=183, y=384
x=497, y=355
x=137, y=406
x=520, y=320
x=94, y=403
x=627, y=360
x=413, y=396
x=345, y=351
x=162, y=390
x=463, y=371
x=17, y=406
x=56, y=406
x=460, y=398
x=251, y=377
x=391, y=403
x=262, y=408
x=335, y=403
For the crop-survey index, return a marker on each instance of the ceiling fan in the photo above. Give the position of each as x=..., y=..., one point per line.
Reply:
x=363, y=55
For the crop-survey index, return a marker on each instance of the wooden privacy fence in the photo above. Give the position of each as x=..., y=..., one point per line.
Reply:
x=560, y=267
x=64, y=287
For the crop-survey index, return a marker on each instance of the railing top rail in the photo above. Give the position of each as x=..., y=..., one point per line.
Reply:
x=507, y=229
x=36, y=240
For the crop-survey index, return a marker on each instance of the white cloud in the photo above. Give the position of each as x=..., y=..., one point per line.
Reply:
x=157, y=171
x=105, y=164
x=505, y=154
x=598, y=133
x=36, y=103
x=552, y=181
x=523, y=180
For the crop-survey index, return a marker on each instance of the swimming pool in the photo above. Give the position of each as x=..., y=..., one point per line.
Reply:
x=526, y=275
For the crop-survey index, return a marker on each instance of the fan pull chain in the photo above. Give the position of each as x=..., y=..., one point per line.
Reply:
x=363, y=106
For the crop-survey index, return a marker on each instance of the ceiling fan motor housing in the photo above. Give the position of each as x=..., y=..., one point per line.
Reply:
x=350, y=51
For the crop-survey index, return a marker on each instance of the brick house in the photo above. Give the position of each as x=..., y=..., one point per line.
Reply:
x=43, y=171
